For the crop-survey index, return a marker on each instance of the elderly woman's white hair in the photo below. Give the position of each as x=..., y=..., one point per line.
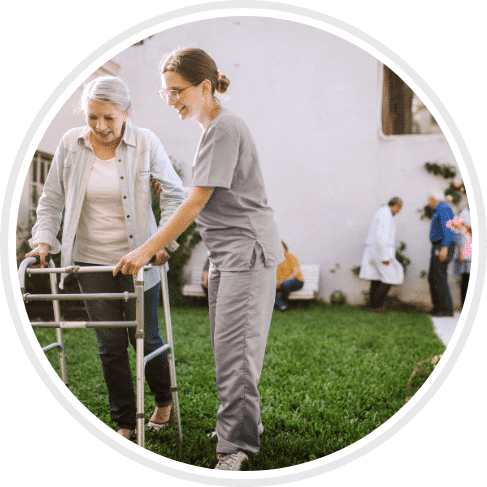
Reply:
x=437, y=195
x=109, y=89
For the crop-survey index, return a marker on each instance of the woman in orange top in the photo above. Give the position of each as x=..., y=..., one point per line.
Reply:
x=289, y=278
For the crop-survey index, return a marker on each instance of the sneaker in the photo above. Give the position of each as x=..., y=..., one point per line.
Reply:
x=260, y=430
x=230, y=461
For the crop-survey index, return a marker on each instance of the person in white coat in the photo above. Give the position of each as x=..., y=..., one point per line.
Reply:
x=379, y=263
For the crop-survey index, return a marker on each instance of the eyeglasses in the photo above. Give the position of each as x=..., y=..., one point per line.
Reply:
x=173, y=94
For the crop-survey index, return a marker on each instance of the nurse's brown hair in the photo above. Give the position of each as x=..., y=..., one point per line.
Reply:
x=194, y=65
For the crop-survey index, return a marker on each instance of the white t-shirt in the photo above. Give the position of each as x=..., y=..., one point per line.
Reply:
x=101, y=237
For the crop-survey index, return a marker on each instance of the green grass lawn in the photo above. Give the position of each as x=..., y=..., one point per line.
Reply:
x=331, y=376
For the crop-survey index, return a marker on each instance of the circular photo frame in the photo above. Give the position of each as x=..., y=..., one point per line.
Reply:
x=192, y=22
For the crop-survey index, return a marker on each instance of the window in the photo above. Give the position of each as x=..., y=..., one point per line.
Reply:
x=402, y=111
x=38, y=169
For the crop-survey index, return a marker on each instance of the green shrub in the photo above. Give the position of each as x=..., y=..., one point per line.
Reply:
x=187, y=242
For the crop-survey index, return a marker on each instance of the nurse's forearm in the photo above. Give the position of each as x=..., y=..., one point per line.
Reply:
x=175, y=225
x=179, y=221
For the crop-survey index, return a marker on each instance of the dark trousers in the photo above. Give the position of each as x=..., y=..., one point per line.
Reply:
x=113, y=344
x=438, y=280
x=378, y=293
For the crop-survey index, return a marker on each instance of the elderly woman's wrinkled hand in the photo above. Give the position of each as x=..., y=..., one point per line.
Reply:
x=161, y=257
x=42, y=250
x=132, y=263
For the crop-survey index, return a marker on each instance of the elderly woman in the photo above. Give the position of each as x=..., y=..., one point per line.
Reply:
x=229, y=203
x=101, y=177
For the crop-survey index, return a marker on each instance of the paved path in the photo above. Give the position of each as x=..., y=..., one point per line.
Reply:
x=444, y=327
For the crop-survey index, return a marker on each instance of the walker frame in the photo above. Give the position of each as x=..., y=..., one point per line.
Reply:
x=138, y=324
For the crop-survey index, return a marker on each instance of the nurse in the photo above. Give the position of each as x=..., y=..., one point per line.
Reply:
x=229, y=204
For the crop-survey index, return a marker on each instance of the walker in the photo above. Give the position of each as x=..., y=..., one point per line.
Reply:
x=138, y=324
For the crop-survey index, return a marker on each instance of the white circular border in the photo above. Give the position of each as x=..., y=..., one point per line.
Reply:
x=281, y=11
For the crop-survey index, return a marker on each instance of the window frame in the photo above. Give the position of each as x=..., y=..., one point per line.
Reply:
x=39, y=169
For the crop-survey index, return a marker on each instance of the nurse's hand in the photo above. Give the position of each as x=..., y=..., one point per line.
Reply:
x=156, y=187
x=133, y=262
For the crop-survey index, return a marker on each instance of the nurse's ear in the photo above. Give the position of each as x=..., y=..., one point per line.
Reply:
x=206, y=86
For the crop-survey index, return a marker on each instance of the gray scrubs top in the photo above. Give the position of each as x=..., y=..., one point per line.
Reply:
x=237, y=216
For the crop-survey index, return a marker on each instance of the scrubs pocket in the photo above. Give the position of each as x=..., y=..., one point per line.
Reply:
x=229, y=249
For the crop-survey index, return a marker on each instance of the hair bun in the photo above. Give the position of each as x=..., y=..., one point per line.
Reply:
x=222, y=83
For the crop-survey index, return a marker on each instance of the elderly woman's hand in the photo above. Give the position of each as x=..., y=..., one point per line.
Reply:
x=133, y=262
x=161, y=257
x=42, y=250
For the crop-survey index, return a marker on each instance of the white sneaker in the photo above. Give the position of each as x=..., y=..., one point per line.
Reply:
x=230, y=461
x=260, y=430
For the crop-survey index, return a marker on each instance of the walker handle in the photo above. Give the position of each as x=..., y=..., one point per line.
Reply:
x=34, y=260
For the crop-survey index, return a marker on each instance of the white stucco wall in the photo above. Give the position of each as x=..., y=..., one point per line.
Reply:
x=312, y=102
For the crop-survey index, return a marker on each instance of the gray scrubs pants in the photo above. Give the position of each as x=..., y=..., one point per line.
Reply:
x=241, y=305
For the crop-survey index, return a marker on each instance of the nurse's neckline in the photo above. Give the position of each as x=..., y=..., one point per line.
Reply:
x=214, y=112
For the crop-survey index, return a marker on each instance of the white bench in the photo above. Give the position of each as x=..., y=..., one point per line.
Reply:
x=194, y=289
x=311, y=275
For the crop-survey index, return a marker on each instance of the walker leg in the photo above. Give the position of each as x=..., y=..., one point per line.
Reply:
x=59, y=332
x=170, y=354
x=139, y=346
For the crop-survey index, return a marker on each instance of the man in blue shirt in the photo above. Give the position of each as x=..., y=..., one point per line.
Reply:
x=443, y=247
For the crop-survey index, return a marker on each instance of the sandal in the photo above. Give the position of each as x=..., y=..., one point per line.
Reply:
x=128, y=434
x=164, y=418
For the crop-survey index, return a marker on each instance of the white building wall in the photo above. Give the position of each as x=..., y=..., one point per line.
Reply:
x=312, y=102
